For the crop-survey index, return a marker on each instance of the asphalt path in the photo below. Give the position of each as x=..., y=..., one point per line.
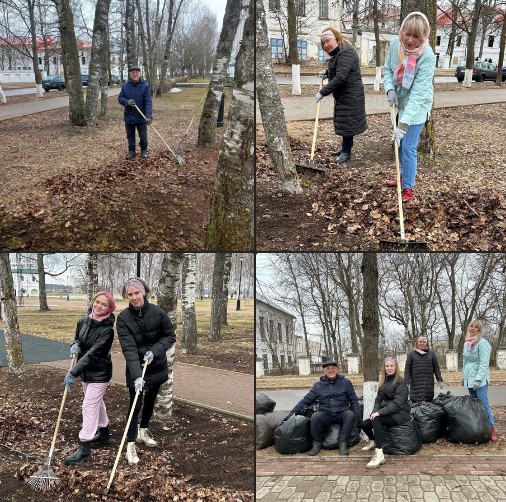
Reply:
x=366, y=79
x=288, y=398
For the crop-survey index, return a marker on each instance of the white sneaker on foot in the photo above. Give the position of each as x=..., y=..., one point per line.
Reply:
x=131, y=454
x=369, y=446
x=144, y=436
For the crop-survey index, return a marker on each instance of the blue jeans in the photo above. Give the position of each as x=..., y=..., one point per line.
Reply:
x=408, y=155
x=482, y=395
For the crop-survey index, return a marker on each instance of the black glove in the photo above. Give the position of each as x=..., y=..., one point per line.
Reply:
x=149, y=120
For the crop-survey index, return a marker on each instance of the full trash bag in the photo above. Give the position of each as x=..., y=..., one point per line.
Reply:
x=263, y=403
x=442, y=399
x=430, y=421
x=402, y=439
x=330, y=437
x=293, y=436
x=467, y=421
x=264, y=428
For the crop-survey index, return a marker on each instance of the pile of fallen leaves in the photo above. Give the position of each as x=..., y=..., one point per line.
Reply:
x=459, y=199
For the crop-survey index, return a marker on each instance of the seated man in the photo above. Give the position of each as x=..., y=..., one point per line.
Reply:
x=338, y=405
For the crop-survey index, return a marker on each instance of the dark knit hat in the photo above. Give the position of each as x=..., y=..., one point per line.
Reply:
x=134, y=68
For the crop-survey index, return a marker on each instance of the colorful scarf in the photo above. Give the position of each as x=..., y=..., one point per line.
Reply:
x=98, y=318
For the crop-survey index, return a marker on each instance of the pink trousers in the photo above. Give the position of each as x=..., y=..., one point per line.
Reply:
x=94, y=412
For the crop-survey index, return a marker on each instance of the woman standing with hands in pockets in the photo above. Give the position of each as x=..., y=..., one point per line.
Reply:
x=145, y=334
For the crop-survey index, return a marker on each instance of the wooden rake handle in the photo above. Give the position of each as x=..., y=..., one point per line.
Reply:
x=111, y=477
x=316, y=123
x=398, y=173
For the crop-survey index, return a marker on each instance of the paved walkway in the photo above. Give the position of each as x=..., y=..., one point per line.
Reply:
x=304, y=107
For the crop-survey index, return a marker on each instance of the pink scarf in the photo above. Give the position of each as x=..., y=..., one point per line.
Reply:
x=97, y=317
x=470, y=341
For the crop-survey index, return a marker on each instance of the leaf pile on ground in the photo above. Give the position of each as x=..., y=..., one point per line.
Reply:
x=459, y=201
x=200, y=455
x=71, y=185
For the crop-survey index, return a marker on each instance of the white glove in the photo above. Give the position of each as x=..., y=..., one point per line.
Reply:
x=441, y=385
x=148, y=357
x=139, y=384
x=398, y=135
x=318, y=96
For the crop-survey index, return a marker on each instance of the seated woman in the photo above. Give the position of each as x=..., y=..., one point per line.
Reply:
x=391, y=408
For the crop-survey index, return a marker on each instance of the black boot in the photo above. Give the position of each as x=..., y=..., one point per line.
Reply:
x=130, y=155
x=83, y=453
x=343, y=445
x=101, y=437
x=336, y=153
x=344, y=157
x=144, y=154
x=317, y=446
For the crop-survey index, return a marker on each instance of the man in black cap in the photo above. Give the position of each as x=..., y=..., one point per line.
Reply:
x=136, y=92
x=338, y=405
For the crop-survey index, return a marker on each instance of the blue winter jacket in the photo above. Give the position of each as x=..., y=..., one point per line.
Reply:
x=141, y=92
x=476, y=364
x=415, y=103
x=335, y=396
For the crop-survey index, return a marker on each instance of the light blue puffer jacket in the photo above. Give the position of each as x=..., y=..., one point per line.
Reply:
x=415, y=103
x=476, y=364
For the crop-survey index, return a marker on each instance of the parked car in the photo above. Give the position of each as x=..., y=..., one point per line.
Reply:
x=85, y=79
x=53, y=82
x=115, y=79
x=481, y=71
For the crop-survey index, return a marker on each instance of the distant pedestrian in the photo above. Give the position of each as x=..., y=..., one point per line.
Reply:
x=421, y=367
x=409, y=71
x=136, y=92
x=476, y=364
x=92, y=345
x=338, y=404
x=145, y=334
x=345, y=84
x=391, y=408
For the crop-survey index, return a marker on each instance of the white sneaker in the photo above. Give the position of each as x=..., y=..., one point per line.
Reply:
x=377, y=459
x=131, y=454
x=369, y=446
x=144, y=436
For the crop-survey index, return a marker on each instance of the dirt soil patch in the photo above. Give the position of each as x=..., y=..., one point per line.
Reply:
x=200, y=456
x=459, y=201
x=71, y=185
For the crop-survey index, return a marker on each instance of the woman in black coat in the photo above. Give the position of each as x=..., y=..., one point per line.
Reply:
x=145, y=334
x=92, y=345
x=345, y=84
x=421, y=367
x=391, y=408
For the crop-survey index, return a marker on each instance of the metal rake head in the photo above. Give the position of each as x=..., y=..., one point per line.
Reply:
x=43, y=480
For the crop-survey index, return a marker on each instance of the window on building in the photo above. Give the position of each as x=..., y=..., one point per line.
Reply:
x=438, y=40
x=271, y=330
x=277, y=48
x=321, y=54
x=323, y=11
x=282, y=360
x=40, y=60
x=301, y=7
x=262, y=328
x=302, y=49
x=266, y=362
x=83, y=59
x=459, y=41
x=55, y=60
x=290, y=361
x=280, y=333
x=491, y=41
x=287, y=333
x=274, y=4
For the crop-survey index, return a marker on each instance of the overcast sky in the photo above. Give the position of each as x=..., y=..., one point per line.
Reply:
x=218, y=7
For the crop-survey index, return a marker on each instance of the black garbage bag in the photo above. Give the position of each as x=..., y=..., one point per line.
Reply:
x=330, y=438
x=264, y=428
x=402, y=439
x=263, y=403
x=430, y=421
x=293, y=436
x=467, y=421
x=442, y=399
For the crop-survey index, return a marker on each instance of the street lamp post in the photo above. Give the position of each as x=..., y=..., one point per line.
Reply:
x=238, y=307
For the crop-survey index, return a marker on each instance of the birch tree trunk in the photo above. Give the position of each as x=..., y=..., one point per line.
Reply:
x=167, y=300
x=293, y=54
x=143, y=42
x=13, y=343
x=231, y=216
x=271, y=109
x=217, y=298
x=35, y=55
x=226, y=280
x=502, y=47
x=70, y=57
x=377, y=37
x=207, y=126
x=471, y=41
x=43, y=307
x=131, y=46
x=2, y=96
x=91, y=276
x=99, y=45
x=188, y=314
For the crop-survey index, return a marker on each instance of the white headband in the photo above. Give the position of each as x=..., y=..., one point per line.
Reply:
x=327, y=33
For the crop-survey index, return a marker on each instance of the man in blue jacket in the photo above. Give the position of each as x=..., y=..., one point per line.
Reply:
x=338, y=405
x=136, y=92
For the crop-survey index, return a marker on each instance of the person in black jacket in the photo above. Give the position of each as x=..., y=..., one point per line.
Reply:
x=92, y=345
x=145, y=334
x=345, y=84
x=391, y=408
x=338, y=405
x=421, y=366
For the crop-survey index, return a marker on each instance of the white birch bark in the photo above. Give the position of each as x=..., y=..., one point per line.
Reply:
x=2, y=96
x=296, y=89
x=377, y=79
x=188, y=314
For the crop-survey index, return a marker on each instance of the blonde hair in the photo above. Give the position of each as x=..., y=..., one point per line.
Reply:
x=383, y=374
x=418, y=338
x=338, y=36
x=146, y=288
x=479, y=324
x=417, y=24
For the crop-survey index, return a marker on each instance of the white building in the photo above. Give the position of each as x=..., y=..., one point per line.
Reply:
x=275, y=339
x=316, y=351
x=24, y=275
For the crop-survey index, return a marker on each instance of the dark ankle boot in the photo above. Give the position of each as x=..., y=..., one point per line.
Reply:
x=83, y=453
x=101, y=437
x=317, y=446
x=342, y=441
x=130, y=155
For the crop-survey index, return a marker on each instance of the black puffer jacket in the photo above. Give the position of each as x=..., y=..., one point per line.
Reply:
x=419, y=374
x=345, y=83
x=142, y=330
x=392, y=399
x=95, y=338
